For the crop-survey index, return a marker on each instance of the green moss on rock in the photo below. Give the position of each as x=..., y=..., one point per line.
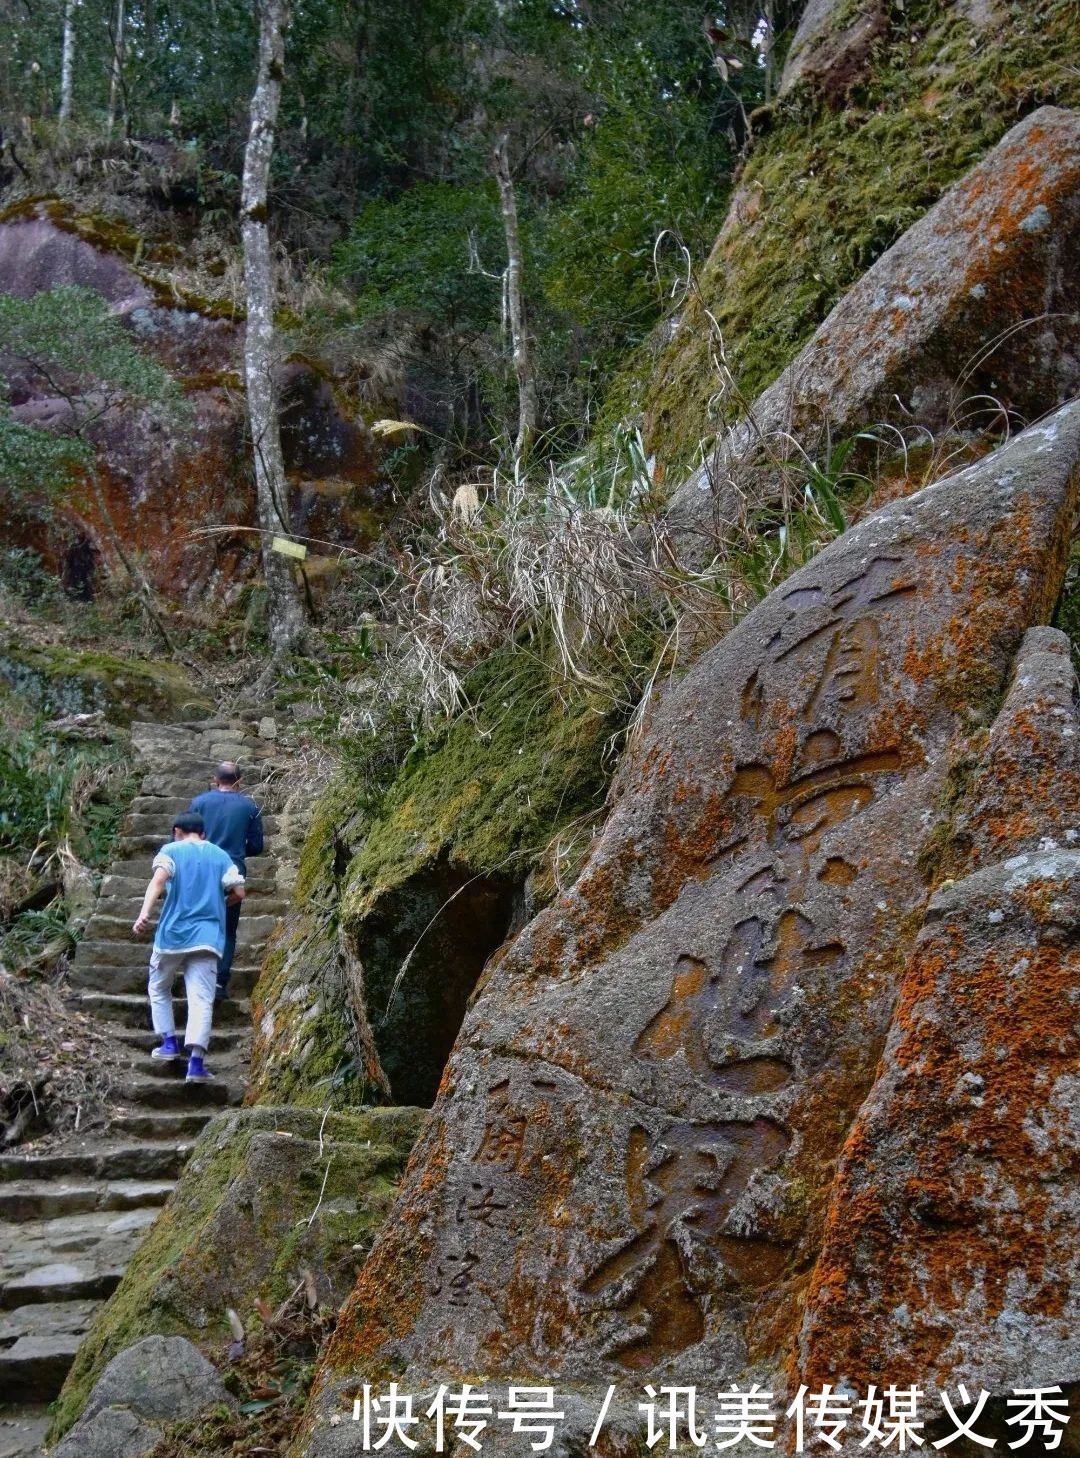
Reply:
x=307, y=1053
x=826, y=191
x=59, y=680
x=492, y=791
x=237, y=1229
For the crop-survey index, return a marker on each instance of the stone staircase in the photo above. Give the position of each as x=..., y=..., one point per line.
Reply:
x=73, y=1209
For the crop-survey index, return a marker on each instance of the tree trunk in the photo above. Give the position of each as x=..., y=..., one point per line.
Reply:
x=67, y=62
x=288, y=623
x=117, y=68
x=515, y=306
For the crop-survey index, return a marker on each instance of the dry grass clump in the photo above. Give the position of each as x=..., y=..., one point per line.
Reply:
x=57, y=1069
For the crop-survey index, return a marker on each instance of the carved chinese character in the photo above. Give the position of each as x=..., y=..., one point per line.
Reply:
x=455, y=1274
x=479, y=1205
x=680, y=1189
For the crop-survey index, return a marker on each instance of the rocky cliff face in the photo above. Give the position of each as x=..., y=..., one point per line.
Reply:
x=162, y=479
x=972, y=317
x=631, y=1166
x=883, y=108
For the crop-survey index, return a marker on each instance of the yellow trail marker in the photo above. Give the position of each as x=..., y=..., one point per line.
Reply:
x=288, y=549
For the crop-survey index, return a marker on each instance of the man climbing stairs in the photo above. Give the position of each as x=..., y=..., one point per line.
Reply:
x=74, y=1208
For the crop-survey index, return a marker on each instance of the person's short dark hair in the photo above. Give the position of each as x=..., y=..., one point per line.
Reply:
x=189, y=823
x=227, y=773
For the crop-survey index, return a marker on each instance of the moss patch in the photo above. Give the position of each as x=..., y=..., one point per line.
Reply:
x=60, y=680
x=826, y=192
x=490, y=793
x=236, y=1229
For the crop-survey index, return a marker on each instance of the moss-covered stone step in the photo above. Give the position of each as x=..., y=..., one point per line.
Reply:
x=46, y=1199
x=164, y=1124
x=169, y=1093
x=132, y=1010
x=38, y=1345
x=128, y=1159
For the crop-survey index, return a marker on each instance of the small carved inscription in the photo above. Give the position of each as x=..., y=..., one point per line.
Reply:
x=455, y=1275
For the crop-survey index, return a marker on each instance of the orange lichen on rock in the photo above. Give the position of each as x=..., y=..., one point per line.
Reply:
x=640, y=1122
x=949, y=1227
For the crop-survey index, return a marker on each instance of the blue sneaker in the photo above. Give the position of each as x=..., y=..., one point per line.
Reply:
x=197, y=1072
x=169, y=1049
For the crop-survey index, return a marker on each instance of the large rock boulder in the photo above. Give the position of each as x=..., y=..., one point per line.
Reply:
x=950, y=1247
x=155, y=1382
x=58, y=680
x=833, y=41
x=628, y=1167
x=163, y=477
x=270, y=1197
x=980, y=298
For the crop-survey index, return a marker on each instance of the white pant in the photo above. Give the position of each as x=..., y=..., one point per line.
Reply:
x=200, y=979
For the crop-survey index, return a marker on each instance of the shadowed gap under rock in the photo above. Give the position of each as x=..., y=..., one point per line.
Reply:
x=450, y=921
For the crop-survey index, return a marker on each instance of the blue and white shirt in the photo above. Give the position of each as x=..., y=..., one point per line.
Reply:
x=193, y=917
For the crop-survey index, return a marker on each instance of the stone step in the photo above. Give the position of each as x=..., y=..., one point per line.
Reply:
x=157, y=825
x=126, y=904
x=148, y=841
x=159, y=805
x=242, y=715
x=38, y=1345
x=227, y=1061
x=46, y=1199
x=253, y=928
x=159, y=739
x=136, y=852
x=123, y=952
x=150, y=1092
x=157, y=1124
x=188, y=773
x=114, y=952
x=236, y=1042
x=132, y=979
x=23, y=1429
x=133, y=1011
x=121, y=1159
x=63, y=1281
x=133, y=887
x=68, y=1258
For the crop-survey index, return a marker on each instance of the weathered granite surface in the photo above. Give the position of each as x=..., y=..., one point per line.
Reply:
x=151, y=1384
x=980, y=298
x=950, y=1246
x=627, y=1174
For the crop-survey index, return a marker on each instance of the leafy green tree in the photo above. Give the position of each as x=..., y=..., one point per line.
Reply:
x=434, y=249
